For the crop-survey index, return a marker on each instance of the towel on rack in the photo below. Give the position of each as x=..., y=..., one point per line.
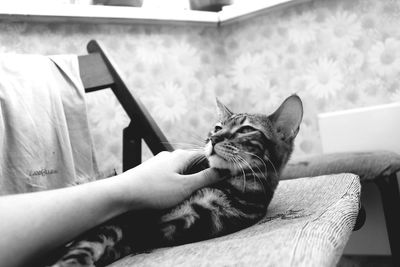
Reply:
x=45, y=141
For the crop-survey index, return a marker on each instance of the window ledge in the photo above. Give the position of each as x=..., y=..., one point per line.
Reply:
x=117, y=14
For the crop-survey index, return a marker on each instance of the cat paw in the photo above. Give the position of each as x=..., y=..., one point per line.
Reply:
x=74, y=263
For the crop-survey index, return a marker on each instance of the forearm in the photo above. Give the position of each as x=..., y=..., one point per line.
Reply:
x=33, y=224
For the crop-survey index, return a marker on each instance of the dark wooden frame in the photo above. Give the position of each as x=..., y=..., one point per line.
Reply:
x=98, y=72
x=389, y=190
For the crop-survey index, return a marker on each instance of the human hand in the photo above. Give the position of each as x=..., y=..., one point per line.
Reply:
x=159, y=182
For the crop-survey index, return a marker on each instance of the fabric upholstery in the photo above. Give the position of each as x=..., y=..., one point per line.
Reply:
x=367, y=165
x=308, y=224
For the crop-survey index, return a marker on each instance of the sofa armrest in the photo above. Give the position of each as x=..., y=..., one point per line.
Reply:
x=367, y=165
x=379, y=167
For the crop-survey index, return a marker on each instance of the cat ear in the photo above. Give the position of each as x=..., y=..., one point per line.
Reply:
x=287, y=117
x=223, y=112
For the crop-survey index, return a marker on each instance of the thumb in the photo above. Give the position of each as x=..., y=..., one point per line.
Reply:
x=204, y=178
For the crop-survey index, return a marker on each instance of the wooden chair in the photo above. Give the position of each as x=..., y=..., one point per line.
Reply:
x=99, y=72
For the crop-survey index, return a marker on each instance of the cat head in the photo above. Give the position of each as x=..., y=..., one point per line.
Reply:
x=248, y=141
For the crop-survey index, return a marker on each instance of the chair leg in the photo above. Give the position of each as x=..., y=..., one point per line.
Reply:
x=389, y=189
x=361, y=217
x=132, y=147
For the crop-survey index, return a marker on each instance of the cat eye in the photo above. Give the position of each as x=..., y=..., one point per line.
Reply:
x=245, y=129
x=217, y=128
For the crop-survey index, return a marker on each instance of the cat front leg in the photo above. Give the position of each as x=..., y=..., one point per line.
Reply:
x=96, y=248
x=211, y=212
x=203, y=216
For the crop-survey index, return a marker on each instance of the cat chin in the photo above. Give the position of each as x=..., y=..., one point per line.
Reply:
x=208, y=149
x=217, y=162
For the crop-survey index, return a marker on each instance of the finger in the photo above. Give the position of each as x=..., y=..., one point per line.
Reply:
x=204, y=178
x=191, y=161
x=196, y=163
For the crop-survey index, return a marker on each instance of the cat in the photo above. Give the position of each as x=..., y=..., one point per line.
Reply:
x=251, y=148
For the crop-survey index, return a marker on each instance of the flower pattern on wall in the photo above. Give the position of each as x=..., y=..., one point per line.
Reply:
x=324, y=78
x=302, y=28
x=248, y=72
x=384, y=57
x=342, y=29
x=169, y=104
x=335, y=54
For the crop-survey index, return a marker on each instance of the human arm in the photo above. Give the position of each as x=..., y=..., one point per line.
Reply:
x=34, y=223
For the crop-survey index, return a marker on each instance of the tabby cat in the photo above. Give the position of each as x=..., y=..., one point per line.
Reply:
x=252, y=148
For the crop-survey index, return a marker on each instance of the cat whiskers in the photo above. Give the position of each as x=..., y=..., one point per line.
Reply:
x=255, y=175
x=248, y=164
x=261, y=160
x=251, y=168
x=194, y=136
x=257, y=157
x=198, y=159
x=236, y=151
x=233, y=154
x=237, y=162
x=273, y=166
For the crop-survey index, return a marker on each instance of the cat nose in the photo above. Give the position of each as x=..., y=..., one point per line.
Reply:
x=216, y=139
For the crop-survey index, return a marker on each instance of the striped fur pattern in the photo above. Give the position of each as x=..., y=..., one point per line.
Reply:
x=253, y=148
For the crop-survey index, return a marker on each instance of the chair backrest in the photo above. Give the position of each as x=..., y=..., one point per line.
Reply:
x=98, y=72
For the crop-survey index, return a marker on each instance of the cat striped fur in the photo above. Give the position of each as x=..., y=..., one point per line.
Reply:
x=252, y=148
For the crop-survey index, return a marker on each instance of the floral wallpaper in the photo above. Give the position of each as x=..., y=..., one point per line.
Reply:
x=336, y=55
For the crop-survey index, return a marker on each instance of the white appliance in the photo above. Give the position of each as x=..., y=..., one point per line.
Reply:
x=362, y=129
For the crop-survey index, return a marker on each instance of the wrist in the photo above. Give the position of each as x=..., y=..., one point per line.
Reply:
x=127, y=190
x=113, y=192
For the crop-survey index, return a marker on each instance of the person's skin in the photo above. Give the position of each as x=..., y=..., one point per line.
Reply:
x=34, y=223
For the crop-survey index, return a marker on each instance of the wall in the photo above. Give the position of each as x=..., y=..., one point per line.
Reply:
x=335, y=54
